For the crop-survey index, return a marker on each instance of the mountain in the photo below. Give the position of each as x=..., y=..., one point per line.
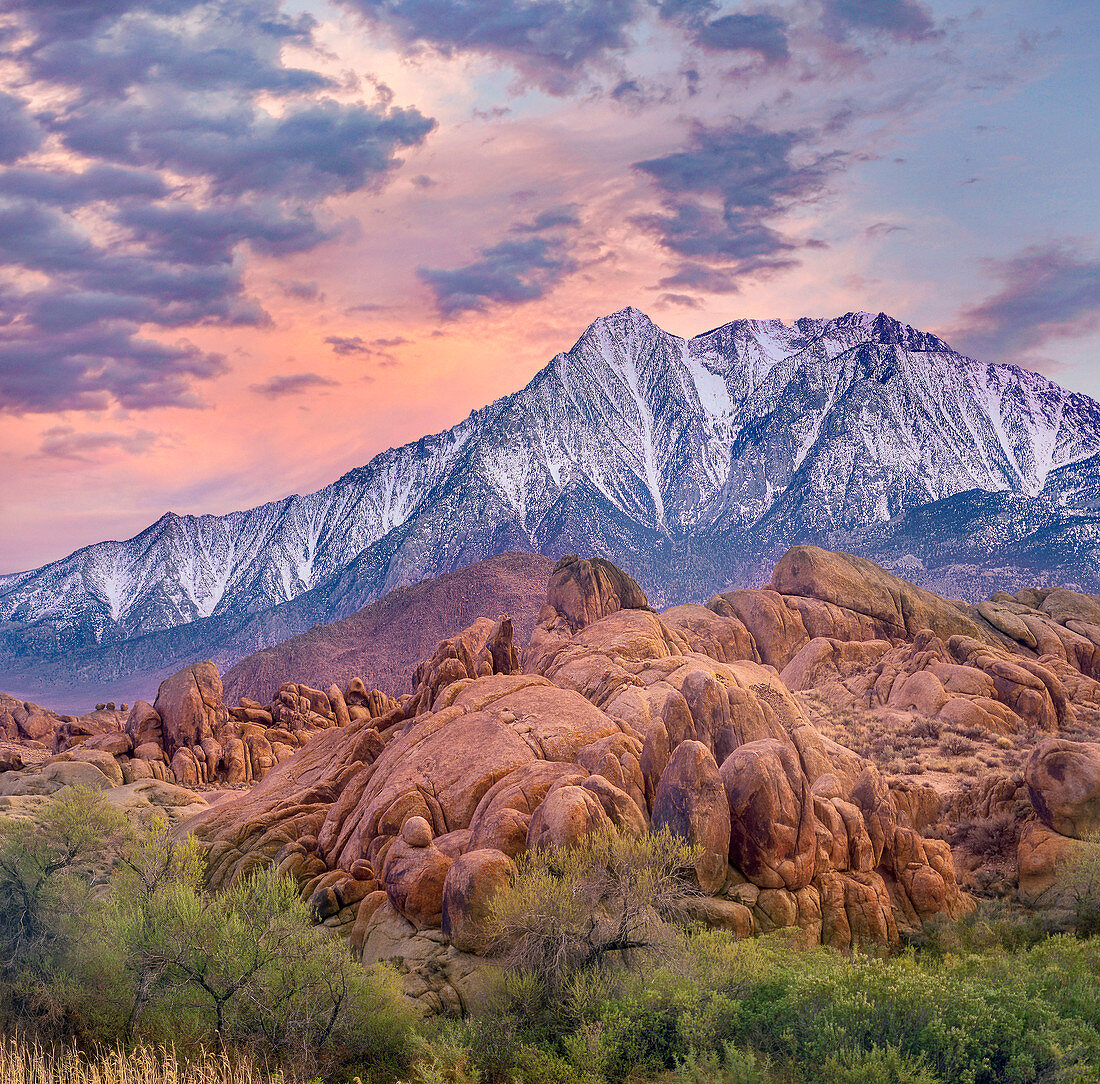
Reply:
x=694, y=462
x=384, y=642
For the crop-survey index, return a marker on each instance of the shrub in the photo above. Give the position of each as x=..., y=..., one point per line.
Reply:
x=567, y=909
x=46, y=869
x=1081, y=883
x=876, y=1066
x=993, y=837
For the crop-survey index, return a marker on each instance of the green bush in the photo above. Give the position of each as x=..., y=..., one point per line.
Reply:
x=876, y=1066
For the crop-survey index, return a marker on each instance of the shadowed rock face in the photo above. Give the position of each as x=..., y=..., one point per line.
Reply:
x=581, y=592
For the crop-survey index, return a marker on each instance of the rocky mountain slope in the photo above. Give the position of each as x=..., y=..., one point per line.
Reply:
x=384, y=642
x=695, y=462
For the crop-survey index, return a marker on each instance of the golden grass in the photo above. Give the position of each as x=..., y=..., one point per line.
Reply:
x=29, y=1063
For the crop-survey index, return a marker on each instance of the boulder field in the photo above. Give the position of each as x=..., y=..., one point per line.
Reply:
x=399, y=818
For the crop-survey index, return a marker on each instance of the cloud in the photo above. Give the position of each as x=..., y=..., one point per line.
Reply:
x=19, y=133
x=758, y=33
x=510, y=272
x=1049, y=291
x=282, y=385
x=718, y=194
x=311, y=150
x=549, y=41
x=352, y=345
x=91, y=368
x=200, y=147
x=513, y=271
x=302, y=291
x=902, y=20
x=553, y=218
x=64, y=442
x=684, y=301
x=70, y=190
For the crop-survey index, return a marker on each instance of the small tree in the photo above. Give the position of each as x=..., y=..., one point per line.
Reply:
x=566, y=909
x=46, y=866
x=152, y=869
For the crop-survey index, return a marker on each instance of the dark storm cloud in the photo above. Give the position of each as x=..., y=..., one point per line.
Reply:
x=150, y=92
x=19, y=133
x=509, y=273
x=903, y=20
x=1048, y=292
x=550, y=41
x=718, y=195
x=286, y=384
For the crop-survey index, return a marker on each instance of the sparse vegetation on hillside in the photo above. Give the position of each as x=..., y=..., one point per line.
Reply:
x=158, y=983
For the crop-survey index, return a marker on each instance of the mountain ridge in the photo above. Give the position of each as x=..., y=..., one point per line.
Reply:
x=693, y=460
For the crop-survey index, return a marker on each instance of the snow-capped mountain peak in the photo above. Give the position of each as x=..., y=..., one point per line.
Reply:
x=634, y=443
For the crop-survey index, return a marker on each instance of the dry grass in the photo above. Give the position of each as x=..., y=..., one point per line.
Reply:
x=905, y=744
x=28, y=1063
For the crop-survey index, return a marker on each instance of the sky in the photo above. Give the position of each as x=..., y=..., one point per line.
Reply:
x=246, y=245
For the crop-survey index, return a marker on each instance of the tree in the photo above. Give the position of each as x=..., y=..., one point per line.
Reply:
x=46, y=865
x=566, y=909
x=152, y=868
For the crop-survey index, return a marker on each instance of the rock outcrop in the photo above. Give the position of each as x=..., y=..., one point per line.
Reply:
x=618, y=719
x=1063, y=783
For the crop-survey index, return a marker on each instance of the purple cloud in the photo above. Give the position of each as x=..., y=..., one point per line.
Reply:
x=64, y=442
x=511, y=272
x=550, y=41
x=282, y=385
x=150, y=98
x=1049, y=291
x=755, y=175
x=19, y=132
x=902, y=20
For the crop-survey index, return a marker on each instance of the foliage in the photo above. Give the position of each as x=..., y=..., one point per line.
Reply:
x=1080, y=882
x=151, y=956
x=47, y=867
x=876, y=1066
x=567, y=909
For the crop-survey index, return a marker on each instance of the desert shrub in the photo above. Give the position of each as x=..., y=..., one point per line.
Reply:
x=47, y=867
x=955, y=745
x=567, y=910
x=992, y=927
x=876, y=1066
x=1080, y=882
x=263, y=976
x=972, y=1018
x=730, y=1065
x=993, y=837
x=108, y=935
